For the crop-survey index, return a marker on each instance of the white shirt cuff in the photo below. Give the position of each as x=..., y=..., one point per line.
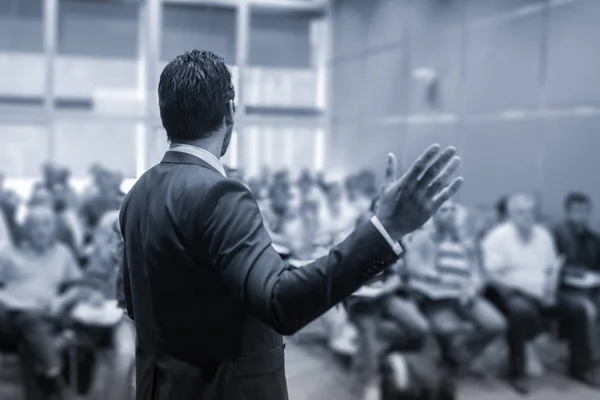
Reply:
x=395, y=245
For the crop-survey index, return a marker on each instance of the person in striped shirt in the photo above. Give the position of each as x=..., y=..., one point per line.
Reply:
x=443, y=270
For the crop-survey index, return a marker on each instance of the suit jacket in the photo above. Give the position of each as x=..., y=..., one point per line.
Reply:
x=210, y=296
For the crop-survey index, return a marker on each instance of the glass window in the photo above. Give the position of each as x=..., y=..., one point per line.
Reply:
x=79, y=144
x=24, y=148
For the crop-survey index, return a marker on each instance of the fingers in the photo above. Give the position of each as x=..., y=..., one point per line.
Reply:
x=390, y=173
x=442, y=179
x=414, y=173
x=391, y=170
x=438, y=166
x=447, y=192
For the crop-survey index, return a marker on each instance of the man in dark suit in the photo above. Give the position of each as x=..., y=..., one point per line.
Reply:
x=209, y=295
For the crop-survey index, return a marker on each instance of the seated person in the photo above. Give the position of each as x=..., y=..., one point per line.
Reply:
x=97, y=314
x=384, y=321
x=338, y=216
x=443, y=270
x=32, y=276
x=103, y=269
x=275, y=213
x=580, y=248
x=523, y=266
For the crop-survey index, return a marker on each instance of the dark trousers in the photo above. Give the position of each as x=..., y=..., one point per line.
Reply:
x=386, y=324
x=464, y=330
x=32, y=335
x=527, y=318
x=579, y=321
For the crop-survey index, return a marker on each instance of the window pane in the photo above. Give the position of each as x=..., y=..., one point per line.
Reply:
x=79, y=144
x=291, y=148
x=24, y=148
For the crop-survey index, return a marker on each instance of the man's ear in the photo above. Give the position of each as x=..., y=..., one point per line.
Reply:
x=229, y=113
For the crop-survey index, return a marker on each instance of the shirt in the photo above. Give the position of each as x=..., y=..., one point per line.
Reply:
x=214, y=162
x=30, y=276
x=522, y=265
x=200, y=153
x=440, y=268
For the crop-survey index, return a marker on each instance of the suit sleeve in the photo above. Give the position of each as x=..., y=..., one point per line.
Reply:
x=285, y=298
x=123, y=282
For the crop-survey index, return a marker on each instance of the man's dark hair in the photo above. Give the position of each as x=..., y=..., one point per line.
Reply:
x=576, y=198
x=194, y=92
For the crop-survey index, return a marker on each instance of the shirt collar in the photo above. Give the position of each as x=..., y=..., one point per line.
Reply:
x=200, y=153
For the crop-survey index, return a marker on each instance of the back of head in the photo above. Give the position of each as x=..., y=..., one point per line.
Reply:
x=445, y=218
x=194, y=92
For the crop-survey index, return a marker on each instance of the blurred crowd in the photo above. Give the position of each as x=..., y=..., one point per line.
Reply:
x=59, y=267
x=474, y=287
x=470, y=282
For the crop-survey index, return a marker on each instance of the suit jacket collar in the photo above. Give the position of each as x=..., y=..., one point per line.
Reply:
x=177, y=157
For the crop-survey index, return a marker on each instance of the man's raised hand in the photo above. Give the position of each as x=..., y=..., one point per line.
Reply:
x=407, y=203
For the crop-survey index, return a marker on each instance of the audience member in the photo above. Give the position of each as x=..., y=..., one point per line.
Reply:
x=580, y=285
x=444, y=273
x=384, y=321
x=338, y=215
x=31, y=304
x=522, y=263
x=68, y=230
x=9, y=206
x=107, y=197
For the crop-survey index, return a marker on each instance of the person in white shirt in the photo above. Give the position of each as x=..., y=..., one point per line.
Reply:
x=523, y=267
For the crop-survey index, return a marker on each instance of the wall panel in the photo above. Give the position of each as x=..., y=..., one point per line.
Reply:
x=499, y=158
x=571, y=160
x=573, y=57
x=503, y=65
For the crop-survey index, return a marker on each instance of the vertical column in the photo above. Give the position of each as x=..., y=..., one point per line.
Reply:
x=50, y=41
x=141, y=126
x=150, y=41
x=242, y=24
x=320, y=54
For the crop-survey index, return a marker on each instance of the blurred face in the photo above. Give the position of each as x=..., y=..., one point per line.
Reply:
x=294, y=201
x=580, y=213
x=103, y=180
x=41, y=195
x=335, y=194
x=310, y=211
x=445, y=217
x=41, y=227
x=279, y=199
x=522, y=212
